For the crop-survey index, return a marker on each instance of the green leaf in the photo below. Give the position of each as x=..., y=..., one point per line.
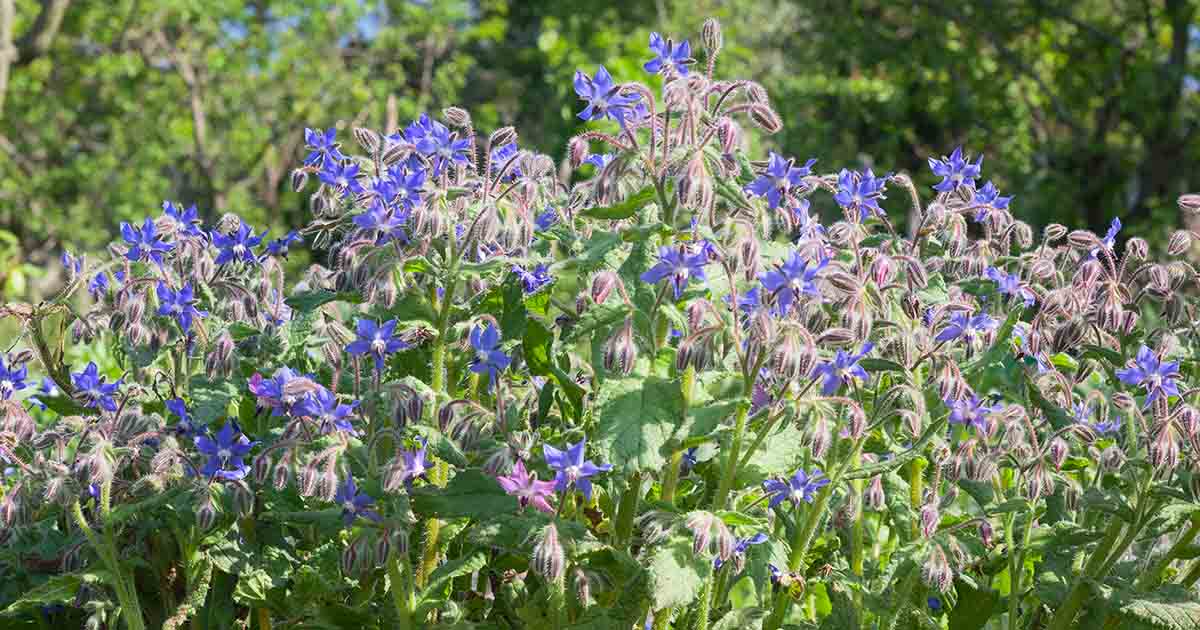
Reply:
x=676, y=574
x=65, y=406
x=57, y=589
x=881, y=365
x=308, y=301
x=636, y=418
x=1171, y=607
x=211, y=399
x=240, y=331
x=441, y=445
x=623, y=210
x=975, y=606
x=844, y=615
x=443, y=574
x=741, y=619
x=418, y=264
x=470, y=494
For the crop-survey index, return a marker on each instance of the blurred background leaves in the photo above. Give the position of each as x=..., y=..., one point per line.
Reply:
x=1085, y=110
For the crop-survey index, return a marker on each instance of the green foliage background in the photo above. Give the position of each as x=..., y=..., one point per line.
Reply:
x=1085, y=110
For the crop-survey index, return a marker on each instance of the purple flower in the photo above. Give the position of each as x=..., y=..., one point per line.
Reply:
x=545, y=220
x=90, y=386
x=1110, y=238
x=226, y=453
x=47, y=388
x=439, y=144
x=572, y=469
x=324, y=408
x=488, y=358
x=237, y=246
x=603, y=97
x=186, y=427
x=71, y=263
x=526, y=487
x=934, y=603
x=414, y=463
x=963, y=325
x=970, y=411
x=599, y=160
x=1010, y=284
x=668, y=54
x=675, y=263
x=781, y=176
x=989, y=196
x=689, y=460
x=500, y=156
x=144, y=243
x=861, y=192
x=807, y=226
x=185, y=223
x=281, y=392
x=354, y=503
x=741, y=547
x=407, y=186
x=792, y=279
x=324, y=146
x=800, y=487
x=179, y=304
x=388, y=222
x=1081, y=412
x=377, y=340
x=98, y=285
x=1157, y=377
x=12, y=379
x=342, y=176
x=955, y=171
x=531, y=281
x=280, y=246
x=747, y=302
x=844, y=367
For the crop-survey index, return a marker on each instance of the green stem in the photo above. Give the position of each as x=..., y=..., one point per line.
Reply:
x=401, y=592
x=1016, y=568
x=623, y=532
x=1078, y=595
x=131, y=609
x=703, y=607
x=1192, y=576
x=662, y=619
x=429, y=553
x=671, y=477
x=906, y=589
x=558, y=603
x=916, y=492
x=1153, y=575
x=264, y=619
x=731, y=463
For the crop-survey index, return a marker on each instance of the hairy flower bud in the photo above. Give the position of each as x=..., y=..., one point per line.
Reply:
x=765, y=118
x=930, y=518
x=883, y=271
x=243, y=498
x=1058, y=452
x=603, y=284
x=1189, y=202
x=1112, y=458
x=1137, y=248
x=620, y=353
x=936, y=571
x=206, y=515
x=1083, y=239
x=367, y=139
x=1181, y=241
x=1038, y=482
x=549, y=559
x=219, y=362
x=457, y=117
x=986, y=534
x=711, y=38
x=299, y=179
x=577, y=151
x=730, y=134
x=503, y=136
x=874, y=498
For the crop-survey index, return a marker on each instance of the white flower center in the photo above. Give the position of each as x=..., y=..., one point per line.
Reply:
x=239, y=249
x=348, y=505
x=378, y=345
x=224, y=454
x=797, y=495
x=573, y=472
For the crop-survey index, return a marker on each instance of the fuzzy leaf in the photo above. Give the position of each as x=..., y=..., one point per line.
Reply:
x=637, y=417
x=624, y=209
x=1170, y=608
x=470, y=494
x=210, y=399
x=57, y=589
x=676, y=574
x=308, y=301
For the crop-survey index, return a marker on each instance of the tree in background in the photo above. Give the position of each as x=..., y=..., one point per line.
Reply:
x=1085, y=110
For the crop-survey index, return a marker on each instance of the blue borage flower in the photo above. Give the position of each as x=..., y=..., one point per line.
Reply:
x=792, y=279
x=971, y=411
x=1010, y=284
x=1109, y=242
x=433, y=140
x=488, y=359
x=572, y=469
x=324, y=408
x=801, y=487
x=955, y=171
x=238, y=246
x=603, y=97
x=533, y=280
x=989, y=197
x=842, y=370
x=183, y=224
x=185, y=426
x=668, y=55
x=377, y=340
x=73, y=264
x=780, y=176
x=226, y=453
x=739, y=551
x=1152, y=374
x=46, y=388
x=546, y=219
x=676, y=264
x=282, y=392
x=806, y=226
x=962, y=324
x=1081, y=413
x=324, y=146
x=500, y=156
x=354, y=503
x=599, y=160
x=859, y=193
x=342, y=176
x=180, y=305
x=12, y=378
x=92, y=390
x=279, y=247
x=145, y=243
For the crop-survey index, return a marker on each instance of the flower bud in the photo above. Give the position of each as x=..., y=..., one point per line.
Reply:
x=549, y=559
x=502, y=136
x=730, y=134
x=1164, y=449
x=1181, y=241
x=756, y=93
x=603, y=284
x=299, y=179
x=1138, y=248
x=367, y=139
x=219, y=362
x=712, y=40
x=930, y=518
x=457, y=116
x=874, y=498
x=1189, y=202
x=701, y=524
x=765, y=118
x=883, y=271
x=1058, y=452
x=936, y=572
x=1083, y=239
x=583, y=587
x=206, y=515
x=243, y=498
x=620, y=352
x=821, y=438
x=1054, y=232
x=1038, y=483
x=986, y=534
x=1111, y=459
x=281, y=475
x=577, y=151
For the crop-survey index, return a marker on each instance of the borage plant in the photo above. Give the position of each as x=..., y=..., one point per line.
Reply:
x=667, y=396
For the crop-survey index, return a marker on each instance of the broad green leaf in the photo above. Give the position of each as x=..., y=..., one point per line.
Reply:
x=1171, y=607
x=308, y=301
x=58, y=589
x=470, y=494
x=636, y=418
x=881, y=365
x=624, y=209
x=443, y=574
x=741, y=619
x=676, y=573
x=65, y=406
x=975, y=606
x=211, y=399
x=441, y=445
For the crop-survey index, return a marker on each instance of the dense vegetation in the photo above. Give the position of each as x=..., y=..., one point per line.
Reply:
x=1086, y=110
x=678, y=393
